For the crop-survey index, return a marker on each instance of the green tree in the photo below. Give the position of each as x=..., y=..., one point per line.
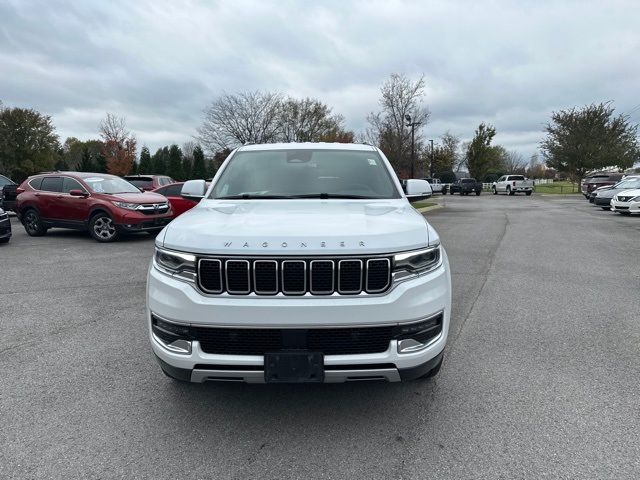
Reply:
x=479, y=156
x=159, y=161
x=86, y=162
x=580, y=140
x=101, y=163
x=187, y=168
x=199, y=168
x=28, y=142
x=174, y=168
x=146, y=165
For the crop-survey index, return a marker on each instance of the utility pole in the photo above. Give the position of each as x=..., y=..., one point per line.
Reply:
x=413, y=150
x=432, y=158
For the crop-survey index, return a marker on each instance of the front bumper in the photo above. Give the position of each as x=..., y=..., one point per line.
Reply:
x=5, y=227
x=406, y=303
x=602, y=202
x=630, y=207
x=139, y=222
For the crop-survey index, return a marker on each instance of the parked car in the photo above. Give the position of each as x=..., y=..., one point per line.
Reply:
x=465, y=186
x=590, y=183
x=105, y=205
x=626, y=202
x=149, y=182
x=605, y=194
x=512, y=184
x=179, y=204
x=303, y=263
x=7, y=193
x=5, y=226
x=436, y=186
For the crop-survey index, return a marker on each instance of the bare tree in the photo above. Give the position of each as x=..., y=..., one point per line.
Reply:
x=119, y=147
x=307, y=120
x=401, y=98
x=514, y=162
x=235, y=119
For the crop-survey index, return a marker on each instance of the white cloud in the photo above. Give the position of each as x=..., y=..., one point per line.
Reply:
x=159, y=63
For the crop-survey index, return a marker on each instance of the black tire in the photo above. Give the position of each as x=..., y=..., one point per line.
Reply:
x=434, y=371
x=478, y=193
x=528, y=194
x=495, y=192
x=33, y=223
x=510, y=192
x=102, y=228
x=444, y=191
x=625, y=213
x=606, y=208
x=5, y=240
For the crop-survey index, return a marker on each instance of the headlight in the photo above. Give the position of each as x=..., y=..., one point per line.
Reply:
x=177, y=264
x=416, y=262
x=127, y=206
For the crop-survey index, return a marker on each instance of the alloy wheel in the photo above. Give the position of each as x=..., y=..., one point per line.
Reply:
x=103, y=228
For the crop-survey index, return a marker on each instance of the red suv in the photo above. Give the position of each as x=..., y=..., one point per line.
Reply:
x=149, y=182
x=179, y=204
x=104, y=204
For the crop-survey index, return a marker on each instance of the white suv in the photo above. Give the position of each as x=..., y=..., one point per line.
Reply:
x=301, y=263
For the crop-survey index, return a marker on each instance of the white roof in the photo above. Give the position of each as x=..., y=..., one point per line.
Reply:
x=306, y=145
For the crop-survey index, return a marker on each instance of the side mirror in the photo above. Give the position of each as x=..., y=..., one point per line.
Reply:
x=78, y=193
x=194, y=190
x=417, y=190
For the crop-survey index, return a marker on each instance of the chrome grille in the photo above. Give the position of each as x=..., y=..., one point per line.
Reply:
x=292, y=276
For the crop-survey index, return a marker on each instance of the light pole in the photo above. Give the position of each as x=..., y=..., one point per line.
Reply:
x=431, y=162
x=413, y=151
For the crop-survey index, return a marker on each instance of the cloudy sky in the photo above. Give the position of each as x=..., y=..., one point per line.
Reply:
x=159, y=63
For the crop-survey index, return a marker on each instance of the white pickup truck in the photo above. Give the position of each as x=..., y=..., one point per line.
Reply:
x=512, y=184
x=436, y=186
x=301, y=263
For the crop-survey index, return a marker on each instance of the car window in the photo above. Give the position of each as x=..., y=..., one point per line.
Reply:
x=4, y=181
x=293, y=172
x=468, y=180
x=36, y=183
x=516, y=177
x=140, y=182
x=69, y=184
x=172, y=190
x=51, y=184
x=629, y=184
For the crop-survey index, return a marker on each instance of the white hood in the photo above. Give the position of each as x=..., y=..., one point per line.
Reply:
x=295, y=227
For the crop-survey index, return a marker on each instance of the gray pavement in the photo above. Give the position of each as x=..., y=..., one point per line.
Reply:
x=540, y=378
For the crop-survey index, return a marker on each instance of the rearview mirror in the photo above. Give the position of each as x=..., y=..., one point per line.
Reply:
x=78, y=193
x=194, y=190
x=417, y=189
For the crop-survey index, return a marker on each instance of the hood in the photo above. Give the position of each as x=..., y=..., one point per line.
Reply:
x=297, y=227
x=629, y=193
x=146, y=197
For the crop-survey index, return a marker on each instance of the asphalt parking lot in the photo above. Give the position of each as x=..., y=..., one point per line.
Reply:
x=540, y=378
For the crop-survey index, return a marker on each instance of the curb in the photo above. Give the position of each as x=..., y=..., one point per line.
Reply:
x=428, y=209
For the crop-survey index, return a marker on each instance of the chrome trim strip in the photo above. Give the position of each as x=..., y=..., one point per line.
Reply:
x=255, y=284
x=180, y=346
x=416, y=346
x=226, y=277
x=340, y=290
x=200, y=260
x=304, y=286
x=333, y=280
x=330, y=376
x=386, y=285
x=280, y=327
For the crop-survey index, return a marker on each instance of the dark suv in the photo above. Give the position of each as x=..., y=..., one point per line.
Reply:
x=7, y=193
x=597, y=180
x=149, y=182
x=104, y=204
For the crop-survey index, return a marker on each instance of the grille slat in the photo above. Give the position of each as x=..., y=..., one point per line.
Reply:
x=272, y=276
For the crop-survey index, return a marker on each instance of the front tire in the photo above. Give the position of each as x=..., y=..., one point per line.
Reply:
x=102, y=228
x=510, y=192
x=5, y=240
x=495, y=192
x=33, y=224
x=606, y=208
x=528, y=194
x=478, y=193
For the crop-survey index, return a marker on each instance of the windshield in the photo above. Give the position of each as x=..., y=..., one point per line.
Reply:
x=109, y=184
x=628, y=184
x=4, y=181
x=310, y=173
x=141, y=182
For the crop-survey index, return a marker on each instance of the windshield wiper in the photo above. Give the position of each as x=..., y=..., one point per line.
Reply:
x=249, y=196
x=331, y=195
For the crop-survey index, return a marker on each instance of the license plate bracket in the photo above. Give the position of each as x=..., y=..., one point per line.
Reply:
x=294, y=367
